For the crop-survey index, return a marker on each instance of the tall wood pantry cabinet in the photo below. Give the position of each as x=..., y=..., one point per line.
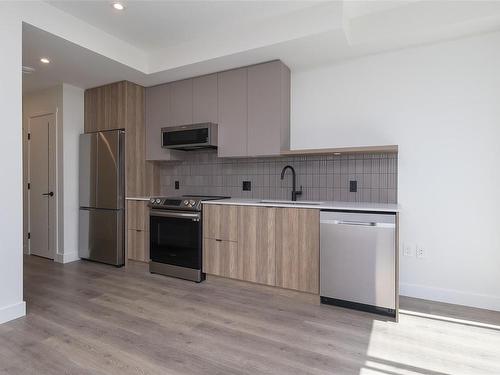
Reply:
x=121, y=105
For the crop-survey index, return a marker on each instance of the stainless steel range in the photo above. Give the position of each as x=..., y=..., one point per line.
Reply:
x=176, y=236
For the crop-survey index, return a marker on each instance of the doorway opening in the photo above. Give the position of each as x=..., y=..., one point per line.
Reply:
x=41, y=182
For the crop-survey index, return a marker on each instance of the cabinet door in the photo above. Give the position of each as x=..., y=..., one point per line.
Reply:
x=138, y=245
x=137, y=215
x=158, y=115
x=182, y=102
x=232, y=88
x=220, y=222
x=205, y=99
x=267, y=119
x=105, y=107
x=220, y=258
x=256, y=244
x=297, y=249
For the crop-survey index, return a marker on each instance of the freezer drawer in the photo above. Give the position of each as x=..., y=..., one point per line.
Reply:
x=358, y=260
x=102, y=236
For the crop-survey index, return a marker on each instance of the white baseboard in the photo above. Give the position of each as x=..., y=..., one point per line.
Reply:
x=12, y=312
x=66, y=257
x=456, y=297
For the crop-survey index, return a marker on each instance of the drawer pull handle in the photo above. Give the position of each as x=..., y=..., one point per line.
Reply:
x=218, y=240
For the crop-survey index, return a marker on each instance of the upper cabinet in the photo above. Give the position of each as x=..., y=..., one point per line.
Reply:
x=205, y=99
x=158, y=115
x=233, y=113
x=181, y=102
x=254, y=110
x=106, y=107
x=251, y=106
x=268, y=109
x=178, y=103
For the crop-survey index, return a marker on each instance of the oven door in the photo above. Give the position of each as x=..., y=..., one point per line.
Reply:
x=175, y=238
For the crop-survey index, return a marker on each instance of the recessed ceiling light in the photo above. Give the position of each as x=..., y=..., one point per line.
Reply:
x=118, y=6
x=45, y=60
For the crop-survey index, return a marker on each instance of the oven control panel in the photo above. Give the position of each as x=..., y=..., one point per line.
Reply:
x=185, y=203
x=181, y=203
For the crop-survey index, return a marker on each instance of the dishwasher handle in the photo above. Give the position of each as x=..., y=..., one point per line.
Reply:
x=352, y=222
x=358, y=223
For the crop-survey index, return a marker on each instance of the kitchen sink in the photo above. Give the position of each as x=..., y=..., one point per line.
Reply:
x=309, y=203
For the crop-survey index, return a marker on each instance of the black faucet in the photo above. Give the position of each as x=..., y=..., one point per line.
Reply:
x=294, y=192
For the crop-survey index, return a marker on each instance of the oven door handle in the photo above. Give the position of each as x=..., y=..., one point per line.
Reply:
x=179, y=215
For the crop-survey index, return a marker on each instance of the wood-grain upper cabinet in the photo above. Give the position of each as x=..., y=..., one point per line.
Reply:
x=232, y=113
x=205, y=101
x=105, y=107
x=297, y=249
x=182, y=102
x=220, y=222
x=268, y=109
x=256, y=244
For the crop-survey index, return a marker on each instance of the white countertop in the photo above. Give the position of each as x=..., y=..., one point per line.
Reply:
x=352, y=206
x=137, y=198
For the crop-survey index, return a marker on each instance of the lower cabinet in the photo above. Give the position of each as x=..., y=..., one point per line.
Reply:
x=220, y=257
x=256, y=244
x=138, y=245
x=297, y=249
x=272, y=246
x=138, y=230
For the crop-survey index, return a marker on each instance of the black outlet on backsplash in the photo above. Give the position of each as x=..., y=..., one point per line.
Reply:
x=247, y=185
x=176, y=184
x=353, y=186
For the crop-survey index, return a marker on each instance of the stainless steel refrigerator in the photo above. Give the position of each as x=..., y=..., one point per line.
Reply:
x=102, y=197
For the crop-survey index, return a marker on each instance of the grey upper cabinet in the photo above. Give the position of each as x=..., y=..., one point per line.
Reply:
x=268, y=109
x=182, y=102
x=205, y=99
x=232, y=89
x=158, y=115
x=250, y=104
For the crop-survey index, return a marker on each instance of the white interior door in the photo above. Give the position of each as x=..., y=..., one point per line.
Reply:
x=42, y=186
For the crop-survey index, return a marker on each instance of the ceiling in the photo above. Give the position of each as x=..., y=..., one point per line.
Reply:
x=188, y=38
x=151, y=25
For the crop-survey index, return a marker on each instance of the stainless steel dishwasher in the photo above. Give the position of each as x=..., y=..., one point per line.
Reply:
x=358, y=260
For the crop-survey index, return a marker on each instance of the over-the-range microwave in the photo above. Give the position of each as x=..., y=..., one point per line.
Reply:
x=189, y=137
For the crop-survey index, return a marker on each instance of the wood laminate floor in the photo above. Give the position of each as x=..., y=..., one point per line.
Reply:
x=88, y=318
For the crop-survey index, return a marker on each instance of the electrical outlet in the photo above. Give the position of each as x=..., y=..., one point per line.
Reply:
x=420, y=252
x=176, y=185
x=247, y=185
x=408, y=250
x=353, y=186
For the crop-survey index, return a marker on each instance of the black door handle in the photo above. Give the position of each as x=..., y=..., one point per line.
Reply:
x=51, y=194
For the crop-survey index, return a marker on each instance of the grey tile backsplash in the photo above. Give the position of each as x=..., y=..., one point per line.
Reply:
x=324, y=178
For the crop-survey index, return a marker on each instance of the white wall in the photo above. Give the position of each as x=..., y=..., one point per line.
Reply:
x=67, y=103
x=11, y=279
x=441, y=105
x=73, y=106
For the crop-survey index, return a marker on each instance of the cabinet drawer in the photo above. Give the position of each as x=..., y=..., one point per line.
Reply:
x=220, y=258
x=138, y=245
x=220, y=222
x=138, y=215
